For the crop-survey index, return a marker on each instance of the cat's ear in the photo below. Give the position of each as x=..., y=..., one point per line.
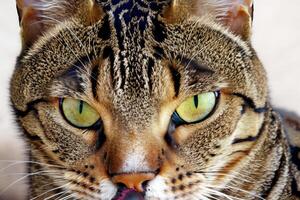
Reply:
x=237, y=15
x=37, y=16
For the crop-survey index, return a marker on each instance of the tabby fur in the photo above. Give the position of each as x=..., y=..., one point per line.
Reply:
x=135, y=61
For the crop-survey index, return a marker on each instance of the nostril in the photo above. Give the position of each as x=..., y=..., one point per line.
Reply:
x=145, y=185
x=135, y=181
x=125, y=193
x=121, y=186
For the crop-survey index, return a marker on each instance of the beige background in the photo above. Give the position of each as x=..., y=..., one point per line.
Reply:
x=276, y=37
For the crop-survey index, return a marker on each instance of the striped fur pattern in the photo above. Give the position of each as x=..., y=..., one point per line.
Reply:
x=135, y=61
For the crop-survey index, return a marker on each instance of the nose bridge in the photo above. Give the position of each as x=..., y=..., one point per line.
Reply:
x=134, y=109
x=133, y=153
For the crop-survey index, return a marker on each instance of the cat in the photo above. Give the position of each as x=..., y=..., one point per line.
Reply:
x=148, y=99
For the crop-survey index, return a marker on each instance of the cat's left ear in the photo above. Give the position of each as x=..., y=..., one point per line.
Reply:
x=237, y=15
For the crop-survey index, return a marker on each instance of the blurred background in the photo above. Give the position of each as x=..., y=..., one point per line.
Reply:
x=276, y=38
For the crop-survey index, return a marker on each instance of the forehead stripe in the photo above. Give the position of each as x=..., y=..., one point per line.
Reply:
x=129, y=18
x=105, y=32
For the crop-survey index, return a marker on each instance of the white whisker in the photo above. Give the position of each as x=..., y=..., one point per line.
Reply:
x=51, y=191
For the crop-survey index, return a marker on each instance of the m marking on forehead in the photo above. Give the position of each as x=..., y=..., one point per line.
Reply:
x=130, y=19
x=131, y=12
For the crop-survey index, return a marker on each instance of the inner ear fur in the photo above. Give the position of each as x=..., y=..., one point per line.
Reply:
x=37, y=16
x=235, y=14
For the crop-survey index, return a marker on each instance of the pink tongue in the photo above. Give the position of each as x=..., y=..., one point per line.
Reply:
x=129, y=194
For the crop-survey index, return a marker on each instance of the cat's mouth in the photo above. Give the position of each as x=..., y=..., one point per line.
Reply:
x=128, y=194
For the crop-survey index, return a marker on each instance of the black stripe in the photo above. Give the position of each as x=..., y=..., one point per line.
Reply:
x=158, y=52
x=249, y=102
x=101, y=138
x=275, y=177
x=250, y=138
x=122, y=72
x=176, y=77
x=295, y=190
x=159, y=30
x=105, y=32
x=295, y=159
x=94, y=80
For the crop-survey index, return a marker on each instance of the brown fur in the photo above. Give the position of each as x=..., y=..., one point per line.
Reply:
x=240, y=151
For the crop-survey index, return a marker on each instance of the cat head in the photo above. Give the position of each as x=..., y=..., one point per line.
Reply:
x=152, y=95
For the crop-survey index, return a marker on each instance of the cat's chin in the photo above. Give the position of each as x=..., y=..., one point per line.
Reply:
x=128, y=194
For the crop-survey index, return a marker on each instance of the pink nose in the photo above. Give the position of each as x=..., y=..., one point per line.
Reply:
x=133, y=181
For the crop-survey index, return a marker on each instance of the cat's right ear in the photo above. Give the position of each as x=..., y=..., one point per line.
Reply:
x=37, y=16
x=236, y=15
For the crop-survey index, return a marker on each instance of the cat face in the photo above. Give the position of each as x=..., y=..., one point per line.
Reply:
x=139, y=98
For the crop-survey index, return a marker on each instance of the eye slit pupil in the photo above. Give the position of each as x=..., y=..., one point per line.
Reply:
x=196, y=101
x=80, y=107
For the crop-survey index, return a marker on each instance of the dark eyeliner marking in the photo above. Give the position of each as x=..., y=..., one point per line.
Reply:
x=80, y=107
x=250, y=103
x=196, y=101
x=250, y=138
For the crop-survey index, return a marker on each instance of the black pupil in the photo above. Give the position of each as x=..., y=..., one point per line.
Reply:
x=80, y=107
x=196, y=101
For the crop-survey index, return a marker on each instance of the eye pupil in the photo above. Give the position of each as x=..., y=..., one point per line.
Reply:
x=196, y=102
x=79, y=113
x=195, y=109
x=80, y=107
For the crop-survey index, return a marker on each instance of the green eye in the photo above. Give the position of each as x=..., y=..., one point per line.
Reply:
x=195, y=109
x=78, y=113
